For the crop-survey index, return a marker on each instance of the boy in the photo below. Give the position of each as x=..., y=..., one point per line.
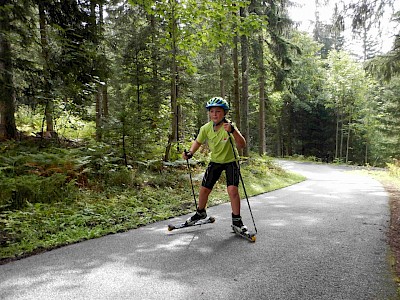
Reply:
x=218, y=132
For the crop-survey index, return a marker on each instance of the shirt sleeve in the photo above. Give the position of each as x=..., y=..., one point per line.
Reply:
x=202, y=136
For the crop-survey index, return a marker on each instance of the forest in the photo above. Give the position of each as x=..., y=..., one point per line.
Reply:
x=136, y=75
x=122, y=85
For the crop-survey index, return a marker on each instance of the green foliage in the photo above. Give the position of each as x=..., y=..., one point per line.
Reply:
x=348, y=90
x=27, y=189
x=394, y=168
x=128, y=53
x=38, y=177
x=122, y=198
x=307, y=122
x=68, y=125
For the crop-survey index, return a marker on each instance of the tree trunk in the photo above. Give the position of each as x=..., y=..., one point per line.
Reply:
x=289, y=128
x=173, y=76
x=156, y=91
x=261, y=119
x=104, y=87
x=49, y=109
x=341, y=141
x=221, y=72
x=7, y=99
x=279, y=139
x=96, y=26
x=337, y=135
x=236, y=93
x=174, y=106
x=99, y=115
x=244, y=107
x=341, y=130
x=124, y=142
x=105, y=101
x=348, y=142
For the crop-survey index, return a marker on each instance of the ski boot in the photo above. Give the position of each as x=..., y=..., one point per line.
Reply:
x=199, y=215
x=240, y=229
x=237, y=224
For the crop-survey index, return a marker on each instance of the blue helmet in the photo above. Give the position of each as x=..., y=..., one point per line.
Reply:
x=217, y=102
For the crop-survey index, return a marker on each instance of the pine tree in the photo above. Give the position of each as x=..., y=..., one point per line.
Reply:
x=7, y=99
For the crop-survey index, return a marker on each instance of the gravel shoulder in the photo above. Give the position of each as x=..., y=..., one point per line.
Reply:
x=394, y=228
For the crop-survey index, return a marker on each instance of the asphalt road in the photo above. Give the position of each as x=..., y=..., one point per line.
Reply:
x=321, y=239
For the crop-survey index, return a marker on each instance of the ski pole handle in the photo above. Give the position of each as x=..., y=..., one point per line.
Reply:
x=232, y=127
x=188, y=154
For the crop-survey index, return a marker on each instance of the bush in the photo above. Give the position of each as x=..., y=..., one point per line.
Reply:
x=394, y=168
x=16, y=192
x=44, y=176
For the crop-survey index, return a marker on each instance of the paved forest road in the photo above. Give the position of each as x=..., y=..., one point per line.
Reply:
x=321, y=239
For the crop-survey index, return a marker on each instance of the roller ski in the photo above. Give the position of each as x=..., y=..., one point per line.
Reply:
x=199, y=218
x=241, y=230
x=244, y=233
x=184, y=224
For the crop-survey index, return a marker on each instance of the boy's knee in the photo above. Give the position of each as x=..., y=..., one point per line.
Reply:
x=205, y=191
x=233, y=191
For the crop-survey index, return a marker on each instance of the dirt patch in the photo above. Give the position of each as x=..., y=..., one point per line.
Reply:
x=394, y=228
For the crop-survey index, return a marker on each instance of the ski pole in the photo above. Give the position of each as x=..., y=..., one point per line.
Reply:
x=241, y=179
x=190, y=176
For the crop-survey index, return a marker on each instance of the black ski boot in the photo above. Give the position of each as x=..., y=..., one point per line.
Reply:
x=199, y=215
x=237, y=224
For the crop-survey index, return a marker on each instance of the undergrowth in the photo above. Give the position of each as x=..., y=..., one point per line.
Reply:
x=53, y=196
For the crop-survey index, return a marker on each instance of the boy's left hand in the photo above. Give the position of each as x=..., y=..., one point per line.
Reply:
x=228, y=127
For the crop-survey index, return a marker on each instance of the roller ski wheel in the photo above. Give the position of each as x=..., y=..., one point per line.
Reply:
x=244, y=234
x=184, y=224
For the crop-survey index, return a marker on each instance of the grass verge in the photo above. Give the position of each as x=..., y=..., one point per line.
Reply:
x=133, y=200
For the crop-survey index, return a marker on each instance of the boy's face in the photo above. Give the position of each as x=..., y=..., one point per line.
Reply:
x=216, y=114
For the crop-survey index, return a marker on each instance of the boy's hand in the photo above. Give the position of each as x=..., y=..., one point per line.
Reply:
x=187, y=155
x=229, y=127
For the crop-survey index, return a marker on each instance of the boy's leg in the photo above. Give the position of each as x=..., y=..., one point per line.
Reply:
x=233, y=192
x=201, y=209
x=203, y=197
x=232, y=181
x=211, y=176
x=237, y=222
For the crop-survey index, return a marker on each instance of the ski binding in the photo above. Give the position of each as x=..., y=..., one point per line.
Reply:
x=184, y=225
x=245, y=234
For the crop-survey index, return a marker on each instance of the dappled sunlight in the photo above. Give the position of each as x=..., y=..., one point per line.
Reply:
x=280, y=205
x=375, y=193
x=105, y=271
x=179, y=242
x=298, y=225
x=108, y=279
x=307, y=220
x=299, y=220
x=119, y=276
x=266, y=197
x=277, y=223
x=327, y=196
x=21, y=281
x=156, y=228
x=300, y=188
x=381, y=194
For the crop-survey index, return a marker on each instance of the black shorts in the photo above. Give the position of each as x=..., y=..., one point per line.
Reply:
x=214, y=171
